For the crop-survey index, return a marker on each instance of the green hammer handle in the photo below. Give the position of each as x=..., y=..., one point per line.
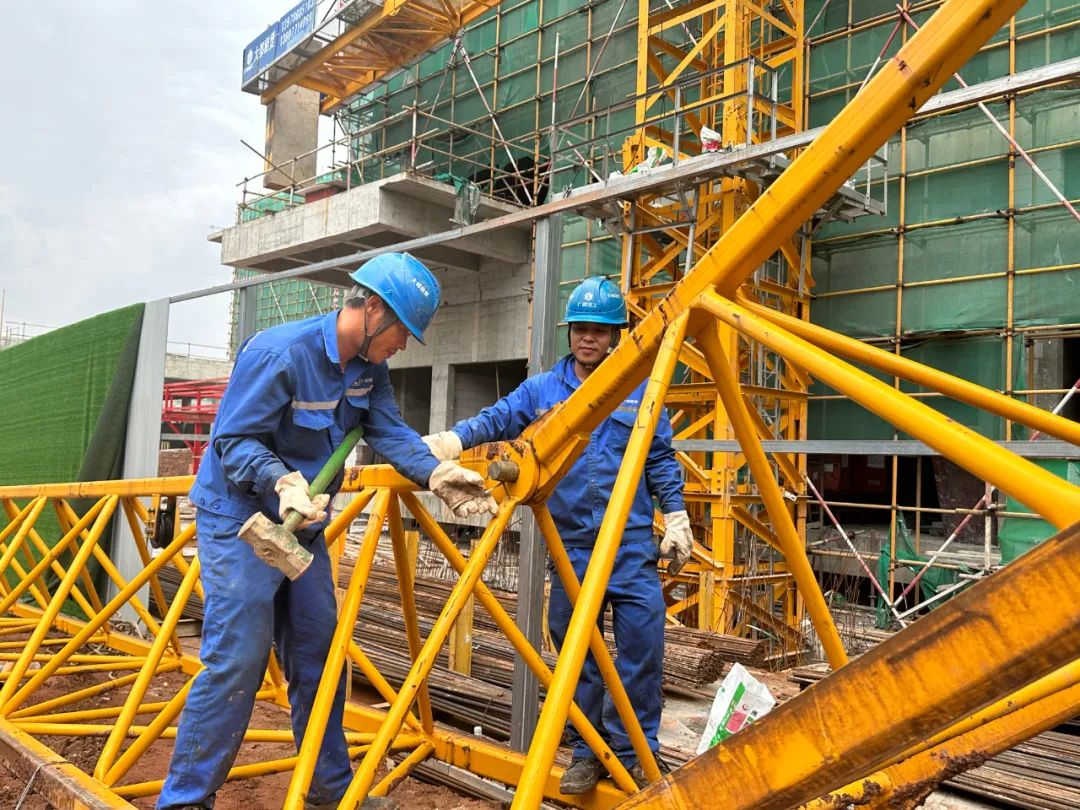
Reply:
x=330, y=469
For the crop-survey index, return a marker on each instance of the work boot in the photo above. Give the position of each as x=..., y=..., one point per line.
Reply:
x=580, y=777
x=637, y=773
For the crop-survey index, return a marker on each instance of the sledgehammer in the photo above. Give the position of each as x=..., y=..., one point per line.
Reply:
x=277, y=545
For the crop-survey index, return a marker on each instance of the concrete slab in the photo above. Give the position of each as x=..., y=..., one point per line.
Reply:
x=379, y=213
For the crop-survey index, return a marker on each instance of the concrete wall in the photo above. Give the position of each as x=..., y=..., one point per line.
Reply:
x=477, y=385
x=412, y=390
x=185, y=367
x=484, y=318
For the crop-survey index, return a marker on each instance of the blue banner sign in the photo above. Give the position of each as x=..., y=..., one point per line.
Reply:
x=278, y=40
x=260, y=53
x=295, y=25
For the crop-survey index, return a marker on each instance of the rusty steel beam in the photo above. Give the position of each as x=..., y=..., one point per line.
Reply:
x=975, y=649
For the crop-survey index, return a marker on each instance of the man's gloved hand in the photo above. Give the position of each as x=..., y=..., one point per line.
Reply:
x=292, y=492
x=461, y=489
x=678, y=542
x=445, y=446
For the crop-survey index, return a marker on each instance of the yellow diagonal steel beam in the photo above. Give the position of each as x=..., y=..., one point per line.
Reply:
x=549, y=727
x=975, y=649
x=950, y=37
x=786, y=533
x=955, y=387
x=997, y=727
x=462, y=590
x=520, y=644
x=1053, y=498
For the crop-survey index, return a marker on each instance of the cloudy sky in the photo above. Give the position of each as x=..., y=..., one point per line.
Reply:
x=121, y=128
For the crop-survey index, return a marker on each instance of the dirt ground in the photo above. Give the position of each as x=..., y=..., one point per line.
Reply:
x=683, y=724
x=263, y=793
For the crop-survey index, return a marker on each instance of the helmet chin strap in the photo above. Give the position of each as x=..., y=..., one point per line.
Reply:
x=389, y=319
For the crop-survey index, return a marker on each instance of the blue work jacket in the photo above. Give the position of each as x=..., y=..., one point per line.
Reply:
x=287, y=407
x=577, y=505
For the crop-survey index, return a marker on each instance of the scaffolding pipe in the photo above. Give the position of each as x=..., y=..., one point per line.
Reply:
x=1005, y=134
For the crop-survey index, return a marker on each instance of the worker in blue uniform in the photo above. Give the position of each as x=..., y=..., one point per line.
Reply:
x=596, y=312
x=295, y=391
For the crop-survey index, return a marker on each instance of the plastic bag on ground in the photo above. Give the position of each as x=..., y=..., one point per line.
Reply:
x=740, y=700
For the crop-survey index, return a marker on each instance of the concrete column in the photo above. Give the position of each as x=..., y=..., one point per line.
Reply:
x=292, y=132
x=442, y=397
x=143, y=436
x=545, y=317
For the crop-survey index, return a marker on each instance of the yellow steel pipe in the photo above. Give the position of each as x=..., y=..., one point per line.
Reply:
x=376, y=679
x=1053, y=498
x=549, y=729
x=7, y=559
x=408, y=604
x=40, y=711
x=564, y=569
x=67, y=517
x=324, y=696
x=176, y=485
x=342, y=521
x=169, y=712
x=144, y=555
x=466, y=585
x=15, y=520
x=966, y=654
x=112, y=573
x=786, y=533
x=63, y=589
x=35, y=573
x=403, y=769
x=954, y=387
x=94, y=623
x=252, y=771
x=153, y=657
x=517, y=639
x=1057, y=691
x=136, y=530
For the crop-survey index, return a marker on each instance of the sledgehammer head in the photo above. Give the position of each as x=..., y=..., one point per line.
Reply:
x=275, y=545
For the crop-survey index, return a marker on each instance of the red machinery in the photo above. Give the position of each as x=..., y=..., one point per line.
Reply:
x=189, y=408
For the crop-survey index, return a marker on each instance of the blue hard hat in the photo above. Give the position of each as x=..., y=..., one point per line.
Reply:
x=407, y=287
x=596, y=300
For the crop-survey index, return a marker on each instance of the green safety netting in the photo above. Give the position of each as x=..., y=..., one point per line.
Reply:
x=1015, y=536
x=1018, y=535
x=934, y=580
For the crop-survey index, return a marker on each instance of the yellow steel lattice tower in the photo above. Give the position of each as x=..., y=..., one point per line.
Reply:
x=722, y=75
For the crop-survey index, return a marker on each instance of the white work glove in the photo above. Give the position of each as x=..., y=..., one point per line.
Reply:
x=461, y=489
x=678, y=542
x=445, y=446
x=292, y=492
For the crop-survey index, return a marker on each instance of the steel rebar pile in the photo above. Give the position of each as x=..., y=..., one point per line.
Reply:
x=692, y=658
x=1042, y=773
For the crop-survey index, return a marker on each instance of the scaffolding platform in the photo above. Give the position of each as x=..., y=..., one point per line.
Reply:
x=372, y=215
x=760, y=163
x=358, y=42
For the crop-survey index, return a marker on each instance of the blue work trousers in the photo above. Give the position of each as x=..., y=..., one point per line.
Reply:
x=637, y=606
x=249, y=606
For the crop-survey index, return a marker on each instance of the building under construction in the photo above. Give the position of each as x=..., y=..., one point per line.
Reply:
x=847, y=235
